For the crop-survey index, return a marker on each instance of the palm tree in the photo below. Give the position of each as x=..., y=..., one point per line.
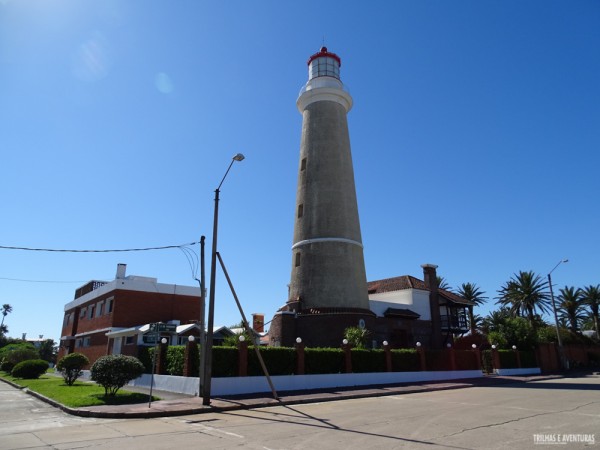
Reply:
x=570, y=306
x=591, y=297
x=443, y=284
x=525, y=293
x=471, y=292
x=6, y=310
x=495, y=319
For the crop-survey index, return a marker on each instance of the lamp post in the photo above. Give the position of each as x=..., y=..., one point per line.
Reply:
x=561, y=353
x=211, y=299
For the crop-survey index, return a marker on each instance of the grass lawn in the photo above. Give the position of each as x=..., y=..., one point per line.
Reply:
x=80, y=394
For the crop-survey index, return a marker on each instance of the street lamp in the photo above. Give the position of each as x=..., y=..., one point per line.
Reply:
x=561, y=352
x=211, y=300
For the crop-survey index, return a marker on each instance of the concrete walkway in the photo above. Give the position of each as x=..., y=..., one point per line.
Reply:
x=172, y=404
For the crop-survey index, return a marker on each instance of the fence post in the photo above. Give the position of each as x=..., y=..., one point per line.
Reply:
x=495, y=358
x=299, y=357
x=242, y=358
x=161, y=360
x=451, y=356
x=188, y=364
x=388, y=356
x=347, y=348
x=518, y=355
x=477, y=353
x=423, y=359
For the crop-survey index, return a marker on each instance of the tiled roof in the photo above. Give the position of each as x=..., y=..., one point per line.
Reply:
x=409, y=282
x=395, y=284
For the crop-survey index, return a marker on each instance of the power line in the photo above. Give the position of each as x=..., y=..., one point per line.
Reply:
x=40, y=281
x=3, y=247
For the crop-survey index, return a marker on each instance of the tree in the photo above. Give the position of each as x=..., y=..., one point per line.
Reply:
x=443, y=284
x=112, y=372
x=570, y=307
x=591, y=297
x=70, y=366
x=471, y=292
x=6, y=310
x=356, y=336
x=525, y=294
x=48, y=350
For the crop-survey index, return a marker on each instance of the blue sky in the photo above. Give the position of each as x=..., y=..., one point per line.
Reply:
x=475, y=136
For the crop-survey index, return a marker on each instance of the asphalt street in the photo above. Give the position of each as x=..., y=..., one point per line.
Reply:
x=516, y=416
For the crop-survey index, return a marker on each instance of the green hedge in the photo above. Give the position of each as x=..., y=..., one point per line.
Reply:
x=486, y=361
x=279, y=361
x=323, y=360
x=175, y=358
x=224, y=361
x=364, y=361
x=405, y=360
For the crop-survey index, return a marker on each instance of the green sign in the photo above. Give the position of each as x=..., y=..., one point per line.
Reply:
x=168, y=327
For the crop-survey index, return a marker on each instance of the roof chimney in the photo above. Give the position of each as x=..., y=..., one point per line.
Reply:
x=430, y=276
x=121, y=268
x=430, y=279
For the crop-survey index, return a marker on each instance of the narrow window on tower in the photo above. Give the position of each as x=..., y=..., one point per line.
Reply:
x=303, y=164
x=298, y=259
x=300, y=210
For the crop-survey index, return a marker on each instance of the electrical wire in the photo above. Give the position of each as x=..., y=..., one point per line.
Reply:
x=40, y=281
x=3, y=247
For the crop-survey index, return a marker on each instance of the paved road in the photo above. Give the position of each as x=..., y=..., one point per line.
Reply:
x=498, y=417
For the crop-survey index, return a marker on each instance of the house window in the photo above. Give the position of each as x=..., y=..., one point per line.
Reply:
x=129, y=340
x=109, y=305
x=66, y=321
x=298, y=259
x=99, y=309
x=300, y=210
x=87, y=341
x=82, y=313
x=91, y=315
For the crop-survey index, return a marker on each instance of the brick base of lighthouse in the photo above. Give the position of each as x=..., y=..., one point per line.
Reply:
x=327, y=329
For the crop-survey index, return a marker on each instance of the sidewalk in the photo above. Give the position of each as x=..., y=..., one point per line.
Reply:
x=172, y=404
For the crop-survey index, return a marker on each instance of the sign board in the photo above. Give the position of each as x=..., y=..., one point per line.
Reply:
x=168, y=327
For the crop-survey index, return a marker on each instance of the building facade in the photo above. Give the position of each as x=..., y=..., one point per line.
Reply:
x=101, y=309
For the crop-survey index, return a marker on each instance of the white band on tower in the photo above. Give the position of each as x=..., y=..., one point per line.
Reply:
x=331, y=239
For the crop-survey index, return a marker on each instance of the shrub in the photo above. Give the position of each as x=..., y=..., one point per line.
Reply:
x=29, y=369
x=175, y=359
x=15, y=353
x=6, y=366
x=224, y=361
x=145, y=356
x=278, y=360
x=112, y=372
x=405, y=360
x=323, y=360
x=70, y=366
x=356, y=336
x=364, y=361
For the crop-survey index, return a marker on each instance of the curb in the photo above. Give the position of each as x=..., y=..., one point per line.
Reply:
x=245, y=403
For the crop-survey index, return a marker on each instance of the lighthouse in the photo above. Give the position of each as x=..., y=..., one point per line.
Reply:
x=328, y=286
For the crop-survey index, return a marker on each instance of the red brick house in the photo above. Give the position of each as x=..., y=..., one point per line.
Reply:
x=102, y=307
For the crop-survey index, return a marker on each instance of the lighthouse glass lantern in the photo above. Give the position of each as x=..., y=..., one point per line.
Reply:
x=324, y=64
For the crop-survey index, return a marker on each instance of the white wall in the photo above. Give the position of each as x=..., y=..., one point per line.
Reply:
x=413, y=299
x=251, y=385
